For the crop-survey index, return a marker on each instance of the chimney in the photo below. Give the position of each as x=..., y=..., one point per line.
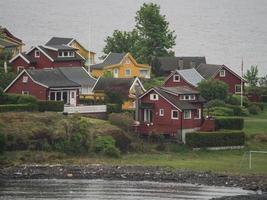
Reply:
x=181, y=63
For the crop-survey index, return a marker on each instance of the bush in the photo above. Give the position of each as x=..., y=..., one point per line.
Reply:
x=215, y=103
x=112, y=151
x=236, y=123
x=122, y=120
x=11, y=98
x=236, y=100
x=260, y=105
x=238, y=110
x=264, y=98
x=114, y=108
x=221, y=111
x=215, y=139
x=106, y=145
x=2, y=143
x=27, y=99
x=253, y=109
x=56, y=106
x=213, y=89
x=18, y=107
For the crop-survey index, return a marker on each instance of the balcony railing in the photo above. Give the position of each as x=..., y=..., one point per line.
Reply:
x=85, y=109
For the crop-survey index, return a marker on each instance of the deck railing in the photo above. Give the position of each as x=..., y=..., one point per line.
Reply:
x=86, y=109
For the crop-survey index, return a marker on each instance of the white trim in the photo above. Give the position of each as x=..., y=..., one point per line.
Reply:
x=95, y=83
x=232, y=72
x=172, y=111
x=140, y=83
x=66, y=88
x=41, y=51
x=190, y=114
x=199, y=114
x=222, y=74
x=19, y=55
x=161, y=112
x=154, y=97
x=80, y=55
x=25, y=91
x=36, y=51
x=69, y=44
x=160, y=95
x=89, y=73
x=176, y=75
x=51, y=48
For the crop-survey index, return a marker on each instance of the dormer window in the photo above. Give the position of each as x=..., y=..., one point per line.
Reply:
x=66, y=54
x=176, y=78
x=222, y=73
x=36, y=53
x=187, y=97
x=154, y=97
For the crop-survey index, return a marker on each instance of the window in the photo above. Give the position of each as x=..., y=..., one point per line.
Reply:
x=154, y=97
x=65, y=54
x=58, y=96
x=238, y=88
x=161, y=112
x=25, y=92
x=19, y=69
x=147, y=115
x=127, y=72
x=176, y=78
x=52, y=96
x=175, y=114
x=143, y=72
x=25, y=79
x=71, y=54
x=187, y=97
x=198, y=114
x=36, y=53
x=222, y=73
x=187, y=114
x=60, y=54
x=116, y=73
x=127, y=61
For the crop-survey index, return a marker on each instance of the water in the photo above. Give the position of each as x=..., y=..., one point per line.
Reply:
x=103, y=189
x=223, y=31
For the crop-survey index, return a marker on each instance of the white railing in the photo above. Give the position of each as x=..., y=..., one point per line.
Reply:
x=86, y=109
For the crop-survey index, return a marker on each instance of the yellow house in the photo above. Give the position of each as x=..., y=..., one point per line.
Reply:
x=121, y=65
x=128, y=88
x=8, y=42
x=89, y=56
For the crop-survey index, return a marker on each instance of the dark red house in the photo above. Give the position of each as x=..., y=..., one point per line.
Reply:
x=40, y=57
x=170, y=111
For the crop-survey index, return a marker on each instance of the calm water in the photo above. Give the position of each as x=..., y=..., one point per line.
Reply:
x=222, y=30
x=102, y=189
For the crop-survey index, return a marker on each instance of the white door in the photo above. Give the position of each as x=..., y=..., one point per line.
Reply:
x=73, y=98
x=116, y=73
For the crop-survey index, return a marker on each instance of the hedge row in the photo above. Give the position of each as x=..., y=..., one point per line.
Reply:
x=232, y=123
x=18, y=107
x=114, y=108
x=264, y=98
x=215, y=139
x=56, y=106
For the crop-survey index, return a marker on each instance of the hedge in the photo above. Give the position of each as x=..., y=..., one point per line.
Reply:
x=215, y=139
x=56, y=106
x=264, y=98
x=18, y=107
x=232, y=123
x=114, y=108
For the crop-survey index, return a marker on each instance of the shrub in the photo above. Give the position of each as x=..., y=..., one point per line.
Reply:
x=253, y=109
x=56, y=106
x=122, y=120
x=236, y=123
x=102, y=142
x=264, y=98
x=260, y=105
x=213, y=89
x=112, y=151
x=221, y=111
x=12, y=98
x=238, y=110
x=27, y=99
x=236, y=100
x=18, y=107
x=2, y=142
x=215, y=103
x=215, y=139
x=114, y=108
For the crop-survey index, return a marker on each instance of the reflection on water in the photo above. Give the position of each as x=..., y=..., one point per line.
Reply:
x=107, y=189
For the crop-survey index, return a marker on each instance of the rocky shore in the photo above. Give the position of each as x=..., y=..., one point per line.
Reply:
x=135, y=173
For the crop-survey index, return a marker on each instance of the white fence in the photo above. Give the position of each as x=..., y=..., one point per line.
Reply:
x=85, y=109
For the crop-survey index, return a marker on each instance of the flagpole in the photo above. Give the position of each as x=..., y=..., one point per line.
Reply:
x=242, y=83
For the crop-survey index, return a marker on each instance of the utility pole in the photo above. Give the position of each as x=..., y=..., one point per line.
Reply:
x=242, y=89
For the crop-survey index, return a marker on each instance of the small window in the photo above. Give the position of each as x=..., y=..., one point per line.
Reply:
x=25, y=79
x=65, y=53
x=176, y=78
x=154, y=97
x=58, y=96
x=175, y=114
x=19, y=69
x=222, y=73
x=36, y=53
x=52, y=96
x=238, y=88
x=198, y=114
x=127, y=72
x=187, y=114
x=71, y=54
x=60, y=54
x=161, y=112
x=25, y=92
x=143, y=72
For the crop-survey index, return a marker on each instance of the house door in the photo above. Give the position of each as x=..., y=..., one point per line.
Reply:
x=73, y=98
x=116, y=73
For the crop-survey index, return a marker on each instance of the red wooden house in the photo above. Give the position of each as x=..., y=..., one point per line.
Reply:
x=40, y=57
x=170, y=111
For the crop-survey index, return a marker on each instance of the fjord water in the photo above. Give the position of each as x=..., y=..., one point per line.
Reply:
x=107, y=189
x=224, y=30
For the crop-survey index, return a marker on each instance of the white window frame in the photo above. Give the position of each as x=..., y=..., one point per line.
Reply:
x=25, y=92
x=186, y=112
x=154, y=97
x=25, y=79
x=147, y=115
x=128, y=70
x=161, y=112
x=174, y=78
x=19, y=68
x=240, y=89
x=188, y=97
x=116, y=73
x=222, y=73
x=61, y=54
x=141, y=71
x=199, y=114
x=37, y=53
x=177, y=114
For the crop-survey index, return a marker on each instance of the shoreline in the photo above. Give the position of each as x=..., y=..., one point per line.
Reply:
x=134, y=173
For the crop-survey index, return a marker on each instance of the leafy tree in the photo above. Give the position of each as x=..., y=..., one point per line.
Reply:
x=5, y=78
x=108, y=74
x=252, y=75
x=263, y=81
x=213, y=89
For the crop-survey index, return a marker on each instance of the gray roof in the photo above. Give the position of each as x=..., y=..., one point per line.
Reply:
x=208, y=70
x=111, y=59
x=168, y=64
x=7, y=44
x=191, y=76
x=29, y=58
x=183, y=105
x=53, y=78
x=58, y=41
x=78, y=75
x=62, y=47
x=180, y=90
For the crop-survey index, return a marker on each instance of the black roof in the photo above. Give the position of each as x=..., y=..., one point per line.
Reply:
x=208, y=70
x=168, y=64
x=53, y=78
x=58, y=41
x=111, y=59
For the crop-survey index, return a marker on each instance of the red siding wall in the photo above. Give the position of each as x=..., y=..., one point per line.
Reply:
x=230, y=79
x=19, y=62
x=171, y=83
x=67, y=64
x=42, y=61
x=34, y=89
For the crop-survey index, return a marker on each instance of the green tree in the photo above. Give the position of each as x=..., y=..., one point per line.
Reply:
x=213, y=89
x=251, y=75
x=108, y=74
x=5, y=78
x=263, y=81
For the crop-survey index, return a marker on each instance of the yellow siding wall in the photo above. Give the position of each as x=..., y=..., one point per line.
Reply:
x=97, y=73
x=129, y=104
x=84, y=52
